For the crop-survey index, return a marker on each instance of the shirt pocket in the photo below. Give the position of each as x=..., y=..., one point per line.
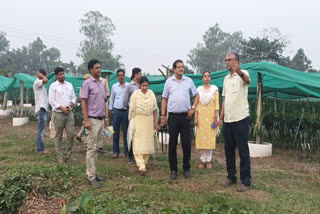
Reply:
x=235, y=87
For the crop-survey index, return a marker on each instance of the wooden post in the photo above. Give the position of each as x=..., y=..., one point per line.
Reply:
x=5, y=99
x=275, y=102
x=107, y=103
x=27, y=96
x=21, y=98
x=308, y=103
x=257, y=128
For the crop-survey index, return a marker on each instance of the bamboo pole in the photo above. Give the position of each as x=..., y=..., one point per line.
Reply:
x=275, y=102
x=27, y=96
x=308, y=103
x=5, y=101
x=257, y=129
x=21, y=98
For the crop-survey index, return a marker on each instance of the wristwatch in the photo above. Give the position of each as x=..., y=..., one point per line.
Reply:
x=193, y=107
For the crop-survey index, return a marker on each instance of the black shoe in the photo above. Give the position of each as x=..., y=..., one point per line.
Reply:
x=187, y=174
x=131, y=160
x=95, y=183
x=173, y=175
x=98, y=178
x=100, y=151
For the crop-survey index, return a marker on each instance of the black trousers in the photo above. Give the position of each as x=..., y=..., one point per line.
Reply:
x=236, y=135
x=178, y=123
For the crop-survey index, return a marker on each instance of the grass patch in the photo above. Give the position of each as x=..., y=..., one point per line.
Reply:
x=276, y=188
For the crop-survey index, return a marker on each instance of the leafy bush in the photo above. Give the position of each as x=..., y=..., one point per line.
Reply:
x=85, y=205
x=13, y=191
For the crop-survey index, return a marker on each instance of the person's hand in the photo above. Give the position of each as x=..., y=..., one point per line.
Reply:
x=106, y=123
x=190, y=113
x=221, y=123
x=216, y=123
x=156, y=127
x=196, y=122
x=163, y=120
x=110, y=114
x=65, y=110
x=40, y=75
x=87, y=124
x=236, y=68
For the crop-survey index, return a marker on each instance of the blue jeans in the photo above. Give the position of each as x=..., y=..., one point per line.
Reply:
x=118, y=118
x=42, y=116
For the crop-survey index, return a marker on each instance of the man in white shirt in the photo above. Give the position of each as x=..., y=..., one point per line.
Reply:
x=62, y=98
x=41, y=108
x=235, y=118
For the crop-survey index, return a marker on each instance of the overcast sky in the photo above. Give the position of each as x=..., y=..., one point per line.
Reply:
x=151, y=33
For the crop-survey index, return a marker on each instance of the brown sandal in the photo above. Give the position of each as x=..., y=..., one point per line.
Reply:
x=143, y=171
x=202, y=165
x=208, y=165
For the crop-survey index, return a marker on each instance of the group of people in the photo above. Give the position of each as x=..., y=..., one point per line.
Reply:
x=133, y=106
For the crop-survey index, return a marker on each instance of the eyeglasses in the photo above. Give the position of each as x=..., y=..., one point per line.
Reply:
x=228, y=60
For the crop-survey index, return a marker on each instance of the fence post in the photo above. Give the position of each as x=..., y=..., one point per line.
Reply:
x=275, y=102
x=21, y=98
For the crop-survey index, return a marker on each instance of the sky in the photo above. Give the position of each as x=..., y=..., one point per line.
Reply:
x=151, y=33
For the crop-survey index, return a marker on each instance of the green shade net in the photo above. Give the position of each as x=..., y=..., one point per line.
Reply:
x=279, y=81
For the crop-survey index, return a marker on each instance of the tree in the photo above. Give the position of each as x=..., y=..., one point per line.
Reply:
x=210, y=55
x=262, y=49
x=300, y=61
x=70, y=68
x=4, y=43
x=30, y=59
x=97, y=30
x=4, y=56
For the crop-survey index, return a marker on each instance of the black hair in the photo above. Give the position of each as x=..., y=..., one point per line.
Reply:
x=143, y=79
x=134, y=72
x=176, y=62
x=121, y=70
x=235, y=54
x=57, y=70
x=206, y=72
x=91, y=63
x=43, y=72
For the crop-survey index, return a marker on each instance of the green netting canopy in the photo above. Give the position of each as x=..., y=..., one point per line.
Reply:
x=279, y=81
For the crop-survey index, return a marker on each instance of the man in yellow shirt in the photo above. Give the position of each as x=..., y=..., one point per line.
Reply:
x=235, y=116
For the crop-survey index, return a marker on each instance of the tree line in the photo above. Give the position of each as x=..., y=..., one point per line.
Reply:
x=97, y=29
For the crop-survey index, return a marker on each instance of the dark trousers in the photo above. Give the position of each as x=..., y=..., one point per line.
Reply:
x=236, y=135
x=178, y=123
x=120, y=117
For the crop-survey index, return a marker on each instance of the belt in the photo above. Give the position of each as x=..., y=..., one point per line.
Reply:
x=178, y=114
x=97, y=118
x=122, y=110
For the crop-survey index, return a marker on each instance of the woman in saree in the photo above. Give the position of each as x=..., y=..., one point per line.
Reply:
x=206, y=120
x=143, y=112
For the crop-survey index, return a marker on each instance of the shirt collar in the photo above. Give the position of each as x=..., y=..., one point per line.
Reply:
x=125, y=84
x=64, y=83
x=229, y=75
x=174, y=78
x=133, y=83
x=94, y=80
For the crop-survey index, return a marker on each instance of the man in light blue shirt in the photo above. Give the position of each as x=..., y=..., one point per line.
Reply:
x=118, y=114
x=176, y=97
